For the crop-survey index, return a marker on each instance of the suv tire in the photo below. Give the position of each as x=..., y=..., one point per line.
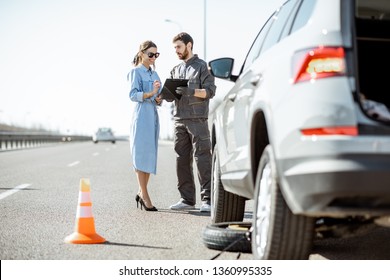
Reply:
x=277, y=232
x=225, y=206
x=230, y=237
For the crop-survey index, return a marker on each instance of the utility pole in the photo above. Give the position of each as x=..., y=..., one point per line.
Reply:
x=204, y=29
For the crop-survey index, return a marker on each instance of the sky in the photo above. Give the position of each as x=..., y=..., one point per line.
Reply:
x=63, y=63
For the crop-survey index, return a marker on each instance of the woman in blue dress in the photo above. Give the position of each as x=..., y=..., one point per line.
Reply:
x=145, y=127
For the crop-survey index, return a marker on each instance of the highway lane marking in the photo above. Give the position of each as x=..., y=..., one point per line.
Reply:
x=73, y=163
x=14, y=190
x=95, y=154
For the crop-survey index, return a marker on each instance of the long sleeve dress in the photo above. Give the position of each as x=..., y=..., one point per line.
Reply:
x=145, y=126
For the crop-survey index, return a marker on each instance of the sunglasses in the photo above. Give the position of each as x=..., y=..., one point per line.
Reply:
x=150, y=54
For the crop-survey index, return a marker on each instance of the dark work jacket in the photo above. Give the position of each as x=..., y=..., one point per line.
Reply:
x=191, y=107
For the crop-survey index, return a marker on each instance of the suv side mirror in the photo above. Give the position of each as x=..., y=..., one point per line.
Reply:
x=222, y=67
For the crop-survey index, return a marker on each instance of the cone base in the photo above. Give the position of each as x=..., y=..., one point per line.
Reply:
x=79, y=238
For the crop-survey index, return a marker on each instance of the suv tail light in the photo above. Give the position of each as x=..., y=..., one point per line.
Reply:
x=317, y=63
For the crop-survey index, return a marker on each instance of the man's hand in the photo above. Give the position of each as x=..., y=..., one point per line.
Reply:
x=158, y=99
x=185, y=91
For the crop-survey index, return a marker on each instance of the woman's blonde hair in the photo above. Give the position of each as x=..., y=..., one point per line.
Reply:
x=142, y=48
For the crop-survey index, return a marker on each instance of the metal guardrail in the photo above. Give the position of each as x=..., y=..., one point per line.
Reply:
x=20, y=140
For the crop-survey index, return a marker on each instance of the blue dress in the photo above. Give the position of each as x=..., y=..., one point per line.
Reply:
x=145, y=127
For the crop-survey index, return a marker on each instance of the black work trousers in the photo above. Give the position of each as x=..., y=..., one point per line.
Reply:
x=192, y=140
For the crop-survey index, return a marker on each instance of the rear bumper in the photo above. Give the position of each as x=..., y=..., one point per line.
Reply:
x=337, y=186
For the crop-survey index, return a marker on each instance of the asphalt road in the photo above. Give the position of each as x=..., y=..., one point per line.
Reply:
x=36, y=219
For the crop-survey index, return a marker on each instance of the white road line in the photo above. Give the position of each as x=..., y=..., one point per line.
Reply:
x=95, y=154
x=14, y=190
x=73, y=163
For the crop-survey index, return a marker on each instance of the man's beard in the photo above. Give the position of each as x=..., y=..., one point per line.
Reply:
x=185, y=54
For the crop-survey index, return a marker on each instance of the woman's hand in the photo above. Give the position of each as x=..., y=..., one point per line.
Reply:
x=156, y=86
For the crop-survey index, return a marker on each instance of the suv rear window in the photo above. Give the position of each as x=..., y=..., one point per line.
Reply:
x=303, y=15
x=279, y=21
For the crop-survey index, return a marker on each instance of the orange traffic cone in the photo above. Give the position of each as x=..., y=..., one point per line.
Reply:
x=85, y=225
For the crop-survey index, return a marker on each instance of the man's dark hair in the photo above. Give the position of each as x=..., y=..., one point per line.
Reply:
x=185, y=38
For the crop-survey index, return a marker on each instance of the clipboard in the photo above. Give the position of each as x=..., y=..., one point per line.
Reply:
x=169, y=89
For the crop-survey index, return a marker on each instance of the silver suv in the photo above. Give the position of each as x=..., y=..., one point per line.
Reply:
x=305, y=130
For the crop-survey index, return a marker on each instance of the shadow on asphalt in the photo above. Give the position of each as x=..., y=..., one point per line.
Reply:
x=371, y=246
x=134, y=245
x=24, y=189
x=195, y=212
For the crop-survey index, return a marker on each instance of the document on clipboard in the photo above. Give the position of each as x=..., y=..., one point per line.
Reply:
x=170, y=86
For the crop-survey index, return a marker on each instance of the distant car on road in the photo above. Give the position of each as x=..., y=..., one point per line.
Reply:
x=104, y=134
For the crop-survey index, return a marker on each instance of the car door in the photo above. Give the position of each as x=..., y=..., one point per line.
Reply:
x=234, y=118
x=237, y=110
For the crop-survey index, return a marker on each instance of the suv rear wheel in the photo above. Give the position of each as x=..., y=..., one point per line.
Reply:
x=277, y=232
x=225, y=206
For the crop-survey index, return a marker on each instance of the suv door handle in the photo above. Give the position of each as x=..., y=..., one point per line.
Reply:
x=232, y=96
x=255, y=80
